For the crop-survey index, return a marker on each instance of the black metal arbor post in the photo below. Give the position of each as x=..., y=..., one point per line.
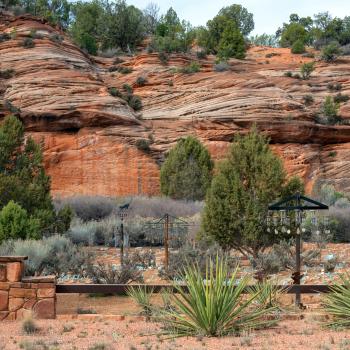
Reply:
x=123, y=213
x=297, y=204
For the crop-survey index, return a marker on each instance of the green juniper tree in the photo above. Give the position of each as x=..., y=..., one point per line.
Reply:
x=187, y=171
x=22, y=177
x=237, y=202
x=231, y=43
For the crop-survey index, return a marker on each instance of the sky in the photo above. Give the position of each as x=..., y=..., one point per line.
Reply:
x=268, y=14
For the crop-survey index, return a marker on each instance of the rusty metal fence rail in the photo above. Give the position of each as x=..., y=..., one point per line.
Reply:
x=120, y=289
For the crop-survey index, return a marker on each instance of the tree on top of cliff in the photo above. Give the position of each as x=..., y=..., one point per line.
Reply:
x=172, y=34
x=22, y=175
x=227, y=29
x=108, y=25
x=237, y=202
x=187, y=170
x=243, y=19
x=231, y=43
x=56, y=12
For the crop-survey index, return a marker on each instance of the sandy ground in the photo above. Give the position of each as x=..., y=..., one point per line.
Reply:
x=69, y=304
x=104, y=334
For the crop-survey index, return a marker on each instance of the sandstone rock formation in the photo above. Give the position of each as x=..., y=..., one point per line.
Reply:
x=91, y=137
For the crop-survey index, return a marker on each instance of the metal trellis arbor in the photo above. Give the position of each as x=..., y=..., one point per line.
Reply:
x=296, y=204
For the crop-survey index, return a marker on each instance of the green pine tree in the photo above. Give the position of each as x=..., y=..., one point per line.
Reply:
x=250, y=179
x=187, y=171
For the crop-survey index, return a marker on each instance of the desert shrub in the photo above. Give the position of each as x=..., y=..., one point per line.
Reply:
x=288, y=74
x=330, y=264
x=143, y=145
x=329, y=112
x=201, y=55
x=109, y=53
x=163, y=57
x=141, y=81
x=81, y=311
x=56, y=38
x=124, y=70
x=306, y=69
x=142, y=297
x=344, y=49
x=199, y=255
x=337, y=303
x=54, y=255
x=88, y=207
x=96, y=208
x=128, y=88
x=112, y=69
x=339, y=221
x=143, y=259
x=272, y=54
x=28, y=43
x=331, y=52
x=16, y=223
x=221, y=67
x=298, y=47
x=334, y=86
x=279, y=258
x=296, y=76
x=12, y=108
x=101, y=273
x=215, y=306
x=135, y=102
x=63, y=220
x=339, y=98
x=156, y=207
x=7, y=73
x=94, y=232
x=327, y=194
x=308, y=55
x=35, y=35
x=308, y=99
x=115, y=92
x=4, y=37
x=29, y=326
x=118, y=60
x=193, y=67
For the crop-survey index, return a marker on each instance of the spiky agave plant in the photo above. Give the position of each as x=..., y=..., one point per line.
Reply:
x=214, y=306
x=267, y=293
x=337, y=303
x=142, y=296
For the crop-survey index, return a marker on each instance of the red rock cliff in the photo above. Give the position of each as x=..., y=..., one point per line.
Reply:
x=90, y=137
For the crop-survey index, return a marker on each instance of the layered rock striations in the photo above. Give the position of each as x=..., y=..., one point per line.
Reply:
x=92, y=139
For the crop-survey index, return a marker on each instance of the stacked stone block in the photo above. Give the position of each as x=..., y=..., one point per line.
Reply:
x=22, y=296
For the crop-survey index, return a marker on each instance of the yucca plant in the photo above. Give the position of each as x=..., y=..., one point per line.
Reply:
x=142, y=296
x=337, y=303
x=214, y=306
x=268, y=293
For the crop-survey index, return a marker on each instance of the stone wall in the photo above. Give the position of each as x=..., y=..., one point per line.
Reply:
x=22, y=296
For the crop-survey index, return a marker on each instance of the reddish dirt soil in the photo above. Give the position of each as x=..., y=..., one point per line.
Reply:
x=108, y=334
